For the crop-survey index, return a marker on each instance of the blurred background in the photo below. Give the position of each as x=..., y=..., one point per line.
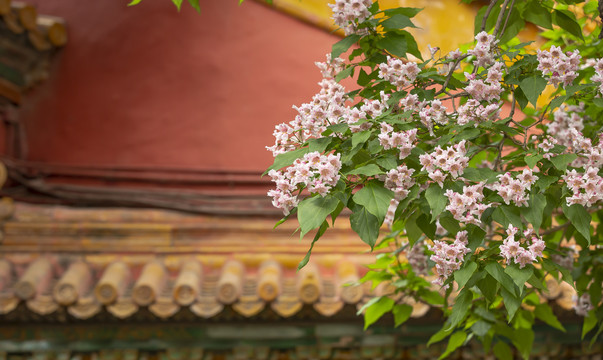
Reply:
x=135, y=222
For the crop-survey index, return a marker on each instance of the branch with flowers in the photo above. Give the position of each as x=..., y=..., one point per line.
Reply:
x=488, y=187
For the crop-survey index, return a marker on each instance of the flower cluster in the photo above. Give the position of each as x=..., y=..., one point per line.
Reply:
x=441, y=163
x=435, y=113
x=512, y=249
x=472, y=110
x=488, y=89
x=417, y=259
x=319, y=173
x=449, y=257
x=403, y=141
x=327, y=107
x=347, y=13
x=399, y=181
x=515, y=190
x=587, y=188
x=398, y=73
x=561, y=68
x=483, y=51
x=467, y=207
x=331, y=67
x=598, y=77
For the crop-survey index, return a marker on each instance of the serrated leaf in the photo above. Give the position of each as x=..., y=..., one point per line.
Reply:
x=365, y=224
x=312, y=212
x=343, y=45
x=580, y=218
x=375, y=198
x=463, y=275
x=377, y=310
x=456, y=340
x=401, y=313
x=532, y=87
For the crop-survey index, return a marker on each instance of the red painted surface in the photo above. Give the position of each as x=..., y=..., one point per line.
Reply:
x=147, y=86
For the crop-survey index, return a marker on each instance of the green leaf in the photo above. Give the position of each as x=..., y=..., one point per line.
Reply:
x=178, y=3
x=320, y=233
x=375, y=198
x=481, y=327
x=401, y=313
x=343, y=45
x=365, y=224
x=413, y=231
x=367, y=170
x=545, y=313
x=488, y=286
x=387, y=162
x=456, y=340
x=397, y=21
x=523, y=339
x=463, y=275
x=286, y=159
x=312, y=212
x=567, y=21
x=535, y=210
x=532, y=160
x=538, y=15
x=407, y=11
x=393, y=43
x=590, y=321
x=498, y=273
x=319, y=144
x=344, y=73
x=479, y=174
x=502, y=351
x=377, y=310
x=561, y=161
x=579, y=217
x=436, y=199
x=598, y=102
x=360, y=138
x=440, y=335
x=507, y=214
x=134, y=2
x=195, y=5
x=532, y=87
x=461, y=307
x=511, y=303
x=519, y=276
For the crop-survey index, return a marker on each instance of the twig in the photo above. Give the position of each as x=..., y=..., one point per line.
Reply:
x=500, y=17
x=487, y=13
x=508, y=16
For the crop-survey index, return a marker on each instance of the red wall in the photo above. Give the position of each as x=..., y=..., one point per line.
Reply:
x=146, y=85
